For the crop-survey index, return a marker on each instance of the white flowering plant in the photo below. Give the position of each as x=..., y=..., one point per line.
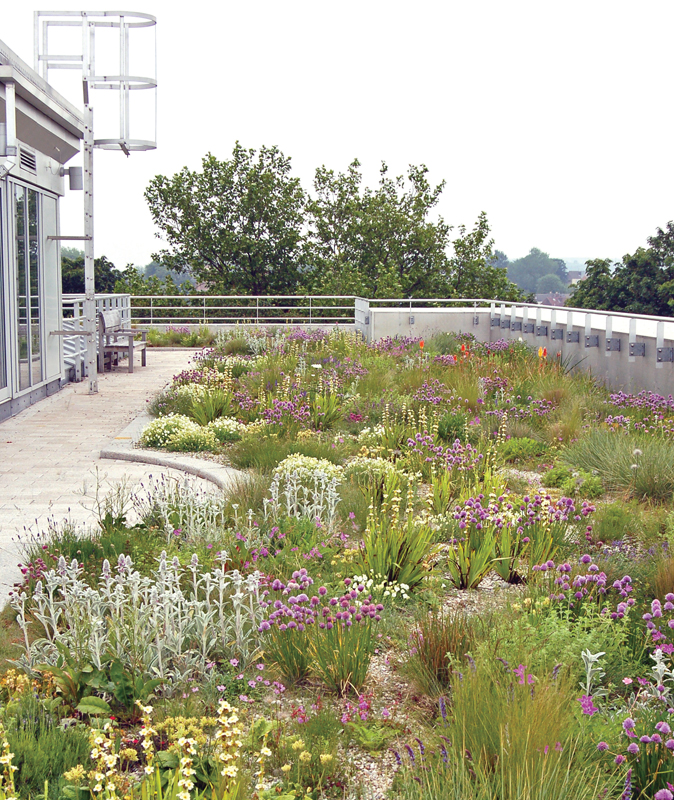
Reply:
x=226, y=429
x=307, y=467
x=158, y=432
x=381, y=589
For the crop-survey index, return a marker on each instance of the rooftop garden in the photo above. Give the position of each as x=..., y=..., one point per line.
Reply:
x=444, y=571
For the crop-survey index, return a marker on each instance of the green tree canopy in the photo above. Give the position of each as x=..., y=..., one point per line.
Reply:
x=528, y=270
x=642, y=283
x=472, y=269
x=72, y=273
x=246, y=226
x=236, y=224
x=376, y=242
x=551, y=283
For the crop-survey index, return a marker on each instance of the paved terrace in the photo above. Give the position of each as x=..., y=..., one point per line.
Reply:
x=50, y=461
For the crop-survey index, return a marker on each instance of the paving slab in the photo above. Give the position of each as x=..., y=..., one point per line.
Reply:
x=50, y=464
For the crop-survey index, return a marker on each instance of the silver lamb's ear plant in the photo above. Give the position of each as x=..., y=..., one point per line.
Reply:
x=151, y=624
x=662, y=675
x=593, y=673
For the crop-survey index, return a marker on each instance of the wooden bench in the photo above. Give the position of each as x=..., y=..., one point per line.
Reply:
x=114, y=341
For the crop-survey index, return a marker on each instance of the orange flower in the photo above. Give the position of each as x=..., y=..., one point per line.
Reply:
x=463, y=348
x=540, y=352
x=421, y=344
x=545, y=352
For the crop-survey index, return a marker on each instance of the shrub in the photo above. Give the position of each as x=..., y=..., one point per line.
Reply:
x=522, y=449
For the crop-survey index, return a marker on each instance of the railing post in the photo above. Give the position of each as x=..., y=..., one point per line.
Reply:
x=151, y=311
x=257, y=310
x=310, y=317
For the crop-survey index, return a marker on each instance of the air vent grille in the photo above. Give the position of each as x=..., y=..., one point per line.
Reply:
x=28, y=160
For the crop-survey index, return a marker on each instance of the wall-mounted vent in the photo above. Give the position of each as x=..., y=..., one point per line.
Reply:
x=28, y=160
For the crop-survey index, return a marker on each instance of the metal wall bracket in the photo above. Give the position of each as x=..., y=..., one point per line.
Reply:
x=665, y=354
x=505, y=323
x=542, y=330
x=592, y=341
x=528, y=327
x=557, y=333
x=516, y=326
x=573, y=336
x=476, y=320
x=613, y=344
x=367, y=320
x=411, y=320
x=495, y=322
x=637, y=348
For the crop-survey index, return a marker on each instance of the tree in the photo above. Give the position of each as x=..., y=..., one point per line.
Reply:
x=642, y=283
x=472, y=272
x=72, y=273
x=236, y=225
x=376, y=242
x=551, y=283
x=527, y=271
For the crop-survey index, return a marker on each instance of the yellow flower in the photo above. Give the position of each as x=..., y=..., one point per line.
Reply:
x=326, y=758
x=305, y=757
x=75, y=774
x=286, y=768
x=298, y=745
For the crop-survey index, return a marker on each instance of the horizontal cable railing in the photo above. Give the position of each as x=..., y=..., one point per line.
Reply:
x=150, y=310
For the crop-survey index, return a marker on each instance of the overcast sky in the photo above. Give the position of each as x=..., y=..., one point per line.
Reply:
x=554, y=118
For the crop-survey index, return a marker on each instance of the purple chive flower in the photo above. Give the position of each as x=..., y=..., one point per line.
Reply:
x=602, y=746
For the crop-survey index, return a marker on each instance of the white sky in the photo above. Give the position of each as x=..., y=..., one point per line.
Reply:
x=554, y=118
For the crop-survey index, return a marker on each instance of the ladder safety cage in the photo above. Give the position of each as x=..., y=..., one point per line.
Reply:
x=47, y=59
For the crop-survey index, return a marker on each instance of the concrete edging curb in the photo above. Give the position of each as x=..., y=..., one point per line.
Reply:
x=220, y=475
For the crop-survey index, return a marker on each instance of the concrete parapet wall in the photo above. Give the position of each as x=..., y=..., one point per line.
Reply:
x=587, y=341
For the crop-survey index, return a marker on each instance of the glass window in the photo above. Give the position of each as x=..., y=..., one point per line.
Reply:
x=34, y=289
x=21, y=287
x=28, y=286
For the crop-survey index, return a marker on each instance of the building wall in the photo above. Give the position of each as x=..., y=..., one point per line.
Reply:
x=48, y=132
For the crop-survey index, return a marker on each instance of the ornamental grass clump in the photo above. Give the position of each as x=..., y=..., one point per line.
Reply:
x=397, y=545
x=509, y=717
x=328, y=638
x=639, y=466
